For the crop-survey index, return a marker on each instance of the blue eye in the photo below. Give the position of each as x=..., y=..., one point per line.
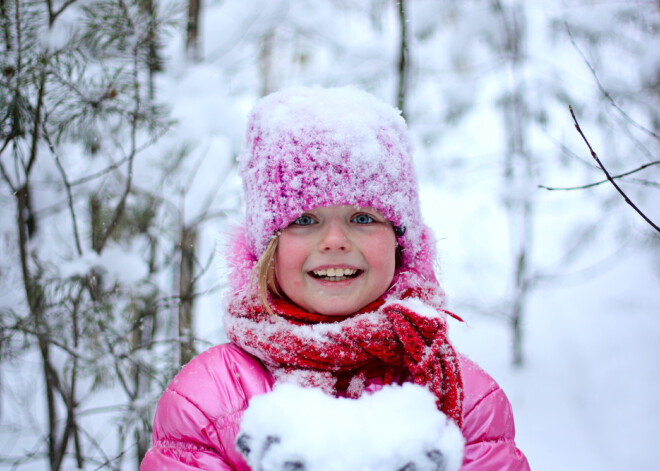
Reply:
x=304, y=220
x=363, y=219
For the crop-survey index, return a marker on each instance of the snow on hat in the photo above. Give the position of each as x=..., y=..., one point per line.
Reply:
x=310, y=147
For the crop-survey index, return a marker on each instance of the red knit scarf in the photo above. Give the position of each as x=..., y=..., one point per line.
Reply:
x=386, y=340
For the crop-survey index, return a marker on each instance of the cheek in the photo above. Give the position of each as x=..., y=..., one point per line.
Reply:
x=381, y=254
x=289, y=258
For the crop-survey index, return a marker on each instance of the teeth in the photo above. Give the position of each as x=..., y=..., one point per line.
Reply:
x=336, y=272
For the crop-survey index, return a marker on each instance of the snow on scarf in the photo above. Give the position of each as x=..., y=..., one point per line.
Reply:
x=402, y=338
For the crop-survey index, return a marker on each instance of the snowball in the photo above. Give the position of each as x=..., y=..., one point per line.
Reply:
x=386, y=430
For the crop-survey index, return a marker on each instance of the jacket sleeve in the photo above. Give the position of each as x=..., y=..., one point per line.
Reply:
x=489, y=431
x=198, y=415
x=183, y=438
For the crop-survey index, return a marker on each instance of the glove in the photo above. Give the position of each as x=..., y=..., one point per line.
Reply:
x=268, y=455
x=398, y=428
x=433, y=460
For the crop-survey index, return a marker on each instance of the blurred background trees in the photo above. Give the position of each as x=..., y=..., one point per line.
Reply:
x=120, y=122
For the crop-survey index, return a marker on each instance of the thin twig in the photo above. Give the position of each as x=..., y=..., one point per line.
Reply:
x=67, y=185
x=607, y=174
x=605, y=93
x=569, y=152
x=204, y=269
x=37, y=123
x=6, y=176
x=600, y=182
x=131, y=394
x=53, y=14
x=119, y=163
x=9, y=138
x=121, y=206
x=20, y=327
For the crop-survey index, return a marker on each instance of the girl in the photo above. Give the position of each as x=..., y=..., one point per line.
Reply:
x=332, y=287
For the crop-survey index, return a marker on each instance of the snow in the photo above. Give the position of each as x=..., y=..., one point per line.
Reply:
x=587, y=395
x=379, y=432
x=114, y=261
x=417, y=306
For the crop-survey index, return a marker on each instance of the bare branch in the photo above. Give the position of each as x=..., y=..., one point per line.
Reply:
x=605, y=93
x=37, y=123
x=615, y=177
x=52, y=341
x=116, y=165
x=607, y=174
x=204, y=268
x=97, y=446
x=3, y=171
x=53, y=14
x=568, y=151
x=122, y=380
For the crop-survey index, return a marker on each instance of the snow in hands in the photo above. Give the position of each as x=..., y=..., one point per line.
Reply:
x=395, y=429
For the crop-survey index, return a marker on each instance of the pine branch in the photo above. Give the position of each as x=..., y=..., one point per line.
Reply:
x=67, y=185
x=607, y=174
x=53, y=14
x=121, y=206
x=37, y=123
x=3, y=170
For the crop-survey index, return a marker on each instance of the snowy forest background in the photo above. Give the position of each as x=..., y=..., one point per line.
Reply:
x=120, y=122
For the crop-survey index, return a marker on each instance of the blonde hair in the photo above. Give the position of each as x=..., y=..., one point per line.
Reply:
x=265, y=272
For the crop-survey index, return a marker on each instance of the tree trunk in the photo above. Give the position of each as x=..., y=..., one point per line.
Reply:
x=186, y=294
x=192, y=30
x=153, y=60
x=404, y=60
x=519, y=169
x=520, y=210
x=266, y=63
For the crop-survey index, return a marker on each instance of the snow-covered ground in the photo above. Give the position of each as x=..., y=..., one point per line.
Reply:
x=587, y=396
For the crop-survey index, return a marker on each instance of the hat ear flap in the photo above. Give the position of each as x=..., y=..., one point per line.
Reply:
x=240, y=261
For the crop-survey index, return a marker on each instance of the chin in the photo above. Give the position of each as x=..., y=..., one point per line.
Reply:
x=337, y=309
x=335, y=313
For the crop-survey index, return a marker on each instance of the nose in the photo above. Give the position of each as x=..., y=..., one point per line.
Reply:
x=335, y=237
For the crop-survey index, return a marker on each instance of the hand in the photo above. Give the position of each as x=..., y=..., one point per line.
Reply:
x=268, y=455
x=398, y=428
x=435, y=462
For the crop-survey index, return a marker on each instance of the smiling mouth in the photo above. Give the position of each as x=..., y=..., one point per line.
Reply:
x=335, y=274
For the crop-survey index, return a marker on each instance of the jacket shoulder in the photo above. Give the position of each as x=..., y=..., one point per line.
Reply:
x=221, y=380
x=488, y=425
x=477, y=384
x=199, y=413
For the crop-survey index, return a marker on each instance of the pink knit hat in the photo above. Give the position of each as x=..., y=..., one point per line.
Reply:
x=309, y=147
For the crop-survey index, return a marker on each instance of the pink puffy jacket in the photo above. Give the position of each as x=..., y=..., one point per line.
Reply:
x=198, y=416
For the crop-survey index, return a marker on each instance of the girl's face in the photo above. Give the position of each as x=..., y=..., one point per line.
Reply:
x=336, y=260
